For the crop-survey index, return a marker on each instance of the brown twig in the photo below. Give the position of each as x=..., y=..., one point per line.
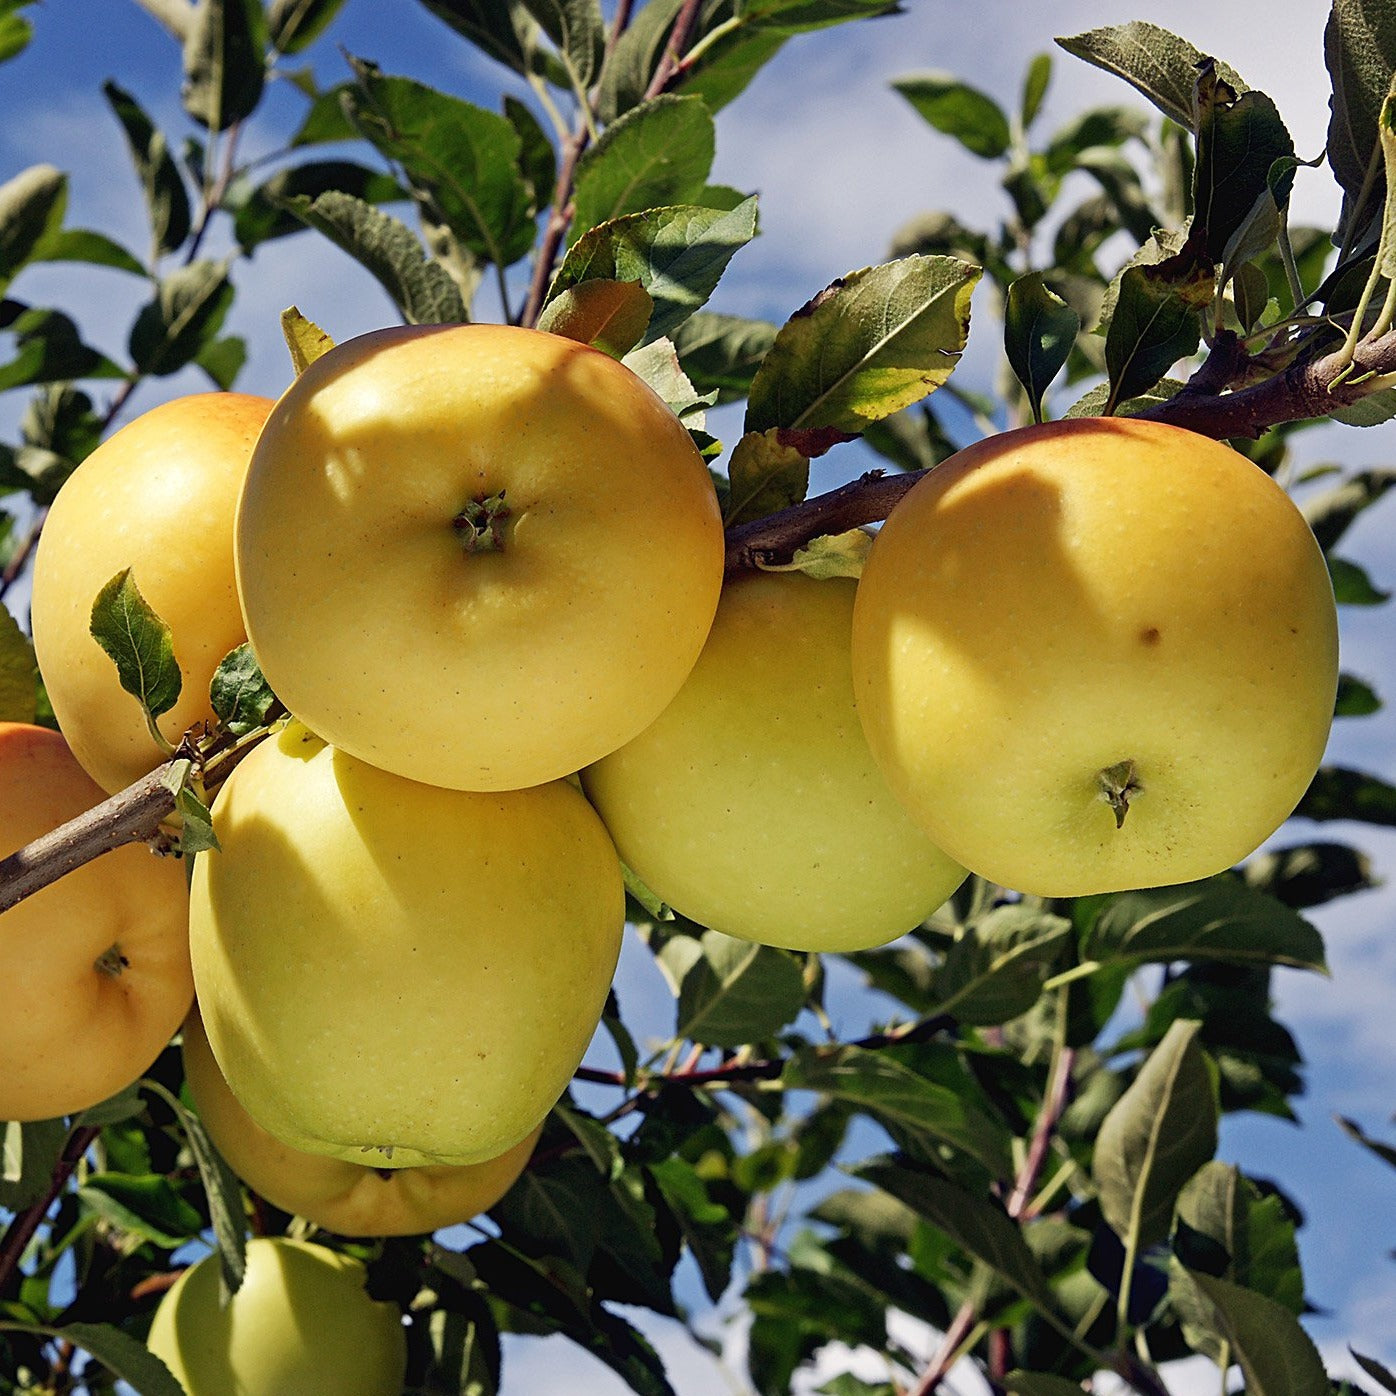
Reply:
x=21, y=1231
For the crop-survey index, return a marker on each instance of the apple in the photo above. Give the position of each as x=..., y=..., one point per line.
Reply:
x=301, y=1324
x=1095, y=655
x=157, y=497
x=96, y=965
x=476, y=555
x=752, y=803
x=395, y=974
x=353, y=1199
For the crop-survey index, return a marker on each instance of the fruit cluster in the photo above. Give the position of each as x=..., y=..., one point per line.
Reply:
x=479, y=562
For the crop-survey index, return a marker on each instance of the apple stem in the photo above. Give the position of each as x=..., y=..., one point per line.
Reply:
x=1119, y=784
x=480, y=523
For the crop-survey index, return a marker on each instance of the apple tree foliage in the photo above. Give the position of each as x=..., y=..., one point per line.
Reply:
x=1016, y=1143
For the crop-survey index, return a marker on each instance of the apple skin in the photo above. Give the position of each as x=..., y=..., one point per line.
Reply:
x=485, y=670
x=75, y=1032
x=1059, y=600
x=158, y=497
x=351, y=1199
x=392, y=973
x=752, y=803
x=301, y=1324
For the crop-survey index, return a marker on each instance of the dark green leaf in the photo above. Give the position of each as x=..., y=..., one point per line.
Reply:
x=537, y=159
x=1359, y=46
x=956, y=109
x=326, y=120
x=1039, y=329
x=31, y=208
x=976, y=1223
x=224, y=61
x=138, y=642
x=1276, y=1356
x=50, y=350
x=1157, y=1135
x=166, y=199
x=1159, y=64
x=184, y=317
x=1351, y=584
x=263, y=213
x=15, y=32
x=1220, y=918
x=766, y=475
x=1309, y=874
x=1383, y=1376
x=1385, y=1152
x=609, y=315
x=495, y=26
x=1369, y=411
x=223, y=359
x=29, y=1153
x=870, y=344
x=722, y=352
x=677, y=254
x=1356, y=698
x=912, y=439
x=224, y=1195
x=422, y=289
x=196, y=834
x=294, y=25
x=1035, y=83
x=994, y=970
x=461, y=161
x=1021, y=1383
x=1155, y=322
x=738, y=992
x=707, y=1226
x=18, y=693
x=578, y=30
x=1333, y=511
x=1339, y=793
x=1099, y=126
x=657, y=155
x=147, y=1206
x=881, y=1085
x=85, y=245
x=120, y=1353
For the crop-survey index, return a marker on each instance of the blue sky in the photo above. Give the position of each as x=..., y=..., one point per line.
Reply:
x=840, y=161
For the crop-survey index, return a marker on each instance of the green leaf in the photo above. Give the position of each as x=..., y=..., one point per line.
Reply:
x=722, y=352
x=1156, y=1136
x=609, y=315
x=1219, y=918
x=1153, y=61
x=421, y=289
x=1021, y=1383
x=294, y=25
x=867, y=346
x=15, y=31
x=264, y=212
x=1333, y=511
x=31, y=208
x=50, y=349
x=1385, y=1152
x=494, y=26
x=18, y=672
x=120, y=1353
x=657, y=365
x=677, y=254
x=241, y=697
x=224, y=61
x=85, y=245
x=537, y=159
x=707, y=1226
x=1035, y=83
x=138, y=642
x=223, y=359
x=738, y=992
x=184, y=317
x=995, y=969
x=1276, y=1356
x=1356, y=698
x=1337, y=792
x=657, y=155
x=976, y=1222
x=828, y=555
x=460, y=160
x=1039, y=330
x=1383, y=1376
x=29, y=1152
x=766, y=475
x=144, y=1205
x=956, y=109
x=578, y=30
x=1369, y=411
x=881, y=1084
x=1239, y=139
x=1309, y=874
x=166, y=198
x=1359, y=48
x=196, y=833
x=1155, y=322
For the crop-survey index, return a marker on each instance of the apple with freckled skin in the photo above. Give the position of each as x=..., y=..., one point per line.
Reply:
x=157, y=497
x=477, y=556
x=351, y=1199
x=1096, y=655
x=301, y=1324
x=96, y=965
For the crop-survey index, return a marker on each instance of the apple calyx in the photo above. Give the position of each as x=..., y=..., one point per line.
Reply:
x=1119, y=784
x=111, y=961
x=480, y=524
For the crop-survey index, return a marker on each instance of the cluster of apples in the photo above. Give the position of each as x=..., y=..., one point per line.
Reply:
x=483, y=568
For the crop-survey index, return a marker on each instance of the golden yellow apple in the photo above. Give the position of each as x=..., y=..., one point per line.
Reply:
x=1095, y=655
x=476, y=555
x=157, y=497
x=392, y=973
x=752, y=803
x=95, y=966
x=301, y=1324
x=353, y=1199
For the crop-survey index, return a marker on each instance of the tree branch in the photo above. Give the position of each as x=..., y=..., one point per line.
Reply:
x=16, y=1240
